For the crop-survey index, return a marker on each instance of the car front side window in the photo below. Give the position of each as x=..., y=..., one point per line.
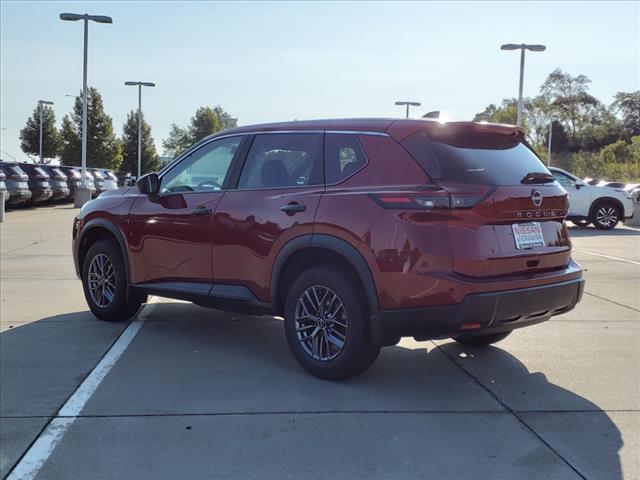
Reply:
x=204, y=170
x=564, y=180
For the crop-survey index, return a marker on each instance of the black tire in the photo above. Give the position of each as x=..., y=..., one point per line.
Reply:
x=581, y=223
x=357, y=352
x=120, y=306
x=605, y=215
x=481, y=340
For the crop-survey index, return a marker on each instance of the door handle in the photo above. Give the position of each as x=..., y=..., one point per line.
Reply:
x=293, y=208
x=201, y=211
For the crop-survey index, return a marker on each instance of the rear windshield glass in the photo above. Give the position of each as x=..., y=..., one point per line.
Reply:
x=17, y=170
x=97, y=175
x=485, y=159
x=110, y=175
x=73, y=173
x=40, y=171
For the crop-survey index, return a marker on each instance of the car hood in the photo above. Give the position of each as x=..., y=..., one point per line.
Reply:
x=116, y=193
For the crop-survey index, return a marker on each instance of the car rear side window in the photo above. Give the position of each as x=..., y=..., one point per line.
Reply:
x=485, y=159
x=283, y=160
x=343, y=156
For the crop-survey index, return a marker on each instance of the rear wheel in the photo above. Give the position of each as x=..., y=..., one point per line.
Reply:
x=481, y=340
x=606, y=215
x=327, y=324
x=104, y=282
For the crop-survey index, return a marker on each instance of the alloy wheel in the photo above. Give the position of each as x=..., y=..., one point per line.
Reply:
x=321, y=323
x=101, y=280
x=607, y=216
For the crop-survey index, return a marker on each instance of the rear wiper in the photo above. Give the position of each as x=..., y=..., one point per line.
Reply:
x=538, y=177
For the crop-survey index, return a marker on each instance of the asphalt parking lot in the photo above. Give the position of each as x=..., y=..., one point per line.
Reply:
x=205, y=394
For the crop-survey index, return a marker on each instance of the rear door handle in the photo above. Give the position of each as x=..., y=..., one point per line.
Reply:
x=293, y=208
x=201, y=211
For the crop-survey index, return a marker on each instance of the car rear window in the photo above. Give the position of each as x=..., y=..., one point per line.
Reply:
x=40, y=171
x=17, y=170
x=98, y=175
x=485, y=159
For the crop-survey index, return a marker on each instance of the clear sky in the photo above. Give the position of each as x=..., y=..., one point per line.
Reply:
x=269, y=61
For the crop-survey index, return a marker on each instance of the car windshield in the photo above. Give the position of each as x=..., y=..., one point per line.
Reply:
x=40, y=171
x=97, y=175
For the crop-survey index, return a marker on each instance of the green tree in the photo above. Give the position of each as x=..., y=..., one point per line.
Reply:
x=204, y=123
x=150, y=160
x=569, y=98
x=177, y=141
x=627, y=104
x=30, y=134
x=227, y=120
x=103, y=148
x=507, y=113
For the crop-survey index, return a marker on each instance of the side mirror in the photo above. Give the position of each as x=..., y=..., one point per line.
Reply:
x=149, y=184
x=578, y=186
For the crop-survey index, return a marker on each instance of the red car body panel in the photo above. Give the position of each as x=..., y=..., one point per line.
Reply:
x=250, y=230
x=168, y=242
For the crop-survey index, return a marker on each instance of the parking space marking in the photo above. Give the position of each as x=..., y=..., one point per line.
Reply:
x=606, y=256
x=42, y=448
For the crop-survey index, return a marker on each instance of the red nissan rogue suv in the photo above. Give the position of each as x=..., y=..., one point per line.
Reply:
x=357, y=232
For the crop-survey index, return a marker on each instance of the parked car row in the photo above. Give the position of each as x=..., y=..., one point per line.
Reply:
x=36, y=183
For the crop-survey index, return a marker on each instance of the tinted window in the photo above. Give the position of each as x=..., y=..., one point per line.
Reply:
x=40, y=171
x=343, y=156
x=204, y=170
x=17, y=170
x=282, y=160
x=564, y=180
x=487, y=159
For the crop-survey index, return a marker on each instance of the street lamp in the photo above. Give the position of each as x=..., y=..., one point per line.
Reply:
x=41, y=108
x=83, y=194
x=413, y=104
x=522, y=47
x=140, y=85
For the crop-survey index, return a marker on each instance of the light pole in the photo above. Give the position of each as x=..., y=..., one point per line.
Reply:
x=140, y=85
x=83, y=194
x=413, y=104
x=522, y=47
x=41, y=104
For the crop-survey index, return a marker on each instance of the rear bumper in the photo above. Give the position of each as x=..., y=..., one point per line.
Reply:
x=19, y=196
x=60, y=193
x=494, y=311
x=41, y=195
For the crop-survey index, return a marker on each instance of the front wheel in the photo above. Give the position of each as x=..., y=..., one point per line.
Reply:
x=606, y=216
x=104, y=282
x=481, y=340
x=327, y=324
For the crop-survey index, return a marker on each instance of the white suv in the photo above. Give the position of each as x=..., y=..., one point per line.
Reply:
x=602, y=206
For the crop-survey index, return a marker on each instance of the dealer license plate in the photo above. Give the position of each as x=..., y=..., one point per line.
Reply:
x=527, y=235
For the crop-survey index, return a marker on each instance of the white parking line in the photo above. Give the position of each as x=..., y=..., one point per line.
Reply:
x=607, y=256
x=45, y=444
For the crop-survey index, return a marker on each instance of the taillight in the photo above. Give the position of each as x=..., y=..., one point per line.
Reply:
x=413, y=201
x=450, y=197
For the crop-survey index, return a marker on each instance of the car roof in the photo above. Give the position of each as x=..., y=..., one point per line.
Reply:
x=383, y=125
